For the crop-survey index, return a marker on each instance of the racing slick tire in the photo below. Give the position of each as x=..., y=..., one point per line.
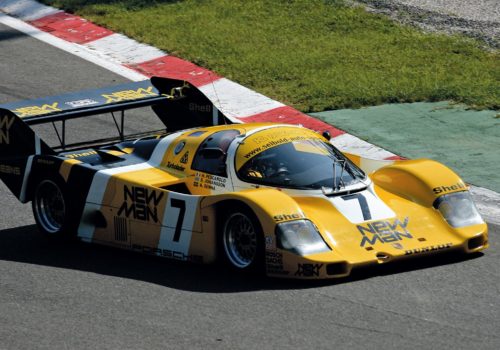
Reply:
x=242, y=240
x=51, y=207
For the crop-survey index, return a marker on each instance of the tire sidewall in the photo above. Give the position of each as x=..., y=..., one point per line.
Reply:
x=63, y=231
x=257, y=265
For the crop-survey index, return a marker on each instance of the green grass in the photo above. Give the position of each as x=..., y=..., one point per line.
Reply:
x=312, y=54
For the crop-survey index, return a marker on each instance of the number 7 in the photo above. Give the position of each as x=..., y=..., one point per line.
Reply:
x=178, y=203
x=363, y=203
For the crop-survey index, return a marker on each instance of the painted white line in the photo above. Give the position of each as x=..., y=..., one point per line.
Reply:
x=235, y=100
x=124, y=50
x=75, y=49
x=27, y=10
x=352, y=144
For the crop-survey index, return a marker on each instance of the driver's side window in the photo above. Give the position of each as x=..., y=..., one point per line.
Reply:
x=211, y=155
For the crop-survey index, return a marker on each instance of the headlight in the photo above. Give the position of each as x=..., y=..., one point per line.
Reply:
x=300, y=237
x=458, y=209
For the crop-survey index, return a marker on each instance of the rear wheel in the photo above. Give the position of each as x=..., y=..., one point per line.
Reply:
x=50, y=207
x=242, y=240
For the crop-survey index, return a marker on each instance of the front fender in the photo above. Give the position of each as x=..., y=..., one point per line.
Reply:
x=269, y=205
x=420, y=180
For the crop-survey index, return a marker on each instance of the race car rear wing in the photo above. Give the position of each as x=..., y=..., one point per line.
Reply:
x=177, y=103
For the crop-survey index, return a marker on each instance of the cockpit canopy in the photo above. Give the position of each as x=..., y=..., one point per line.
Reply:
x=296, y=158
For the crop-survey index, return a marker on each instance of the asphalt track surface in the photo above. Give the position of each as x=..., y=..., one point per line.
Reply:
x=59, y=295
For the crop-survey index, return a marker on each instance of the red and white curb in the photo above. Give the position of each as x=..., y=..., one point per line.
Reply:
x=137, y=61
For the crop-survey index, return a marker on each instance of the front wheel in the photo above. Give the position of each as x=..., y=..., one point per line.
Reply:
x=242, y=240
x=50, y=207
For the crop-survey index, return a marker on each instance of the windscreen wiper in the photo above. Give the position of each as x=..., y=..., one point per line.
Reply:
x=338, y=184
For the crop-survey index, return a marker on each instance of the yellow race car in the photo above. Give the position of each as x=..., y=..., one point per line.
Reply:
x=264, y=197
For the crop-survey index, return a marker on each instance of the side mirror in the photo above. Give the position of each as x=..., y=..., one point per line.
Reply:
x=326, y=135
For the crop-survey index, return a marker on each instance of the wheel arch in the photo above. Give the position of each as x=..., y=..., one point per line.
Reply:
x=44, y=166
x=265, y=203
x=269, y=206
x=421, y=181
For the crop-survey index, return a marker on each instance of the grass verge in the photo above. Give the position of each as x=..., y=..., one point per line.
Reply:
x=312, y=54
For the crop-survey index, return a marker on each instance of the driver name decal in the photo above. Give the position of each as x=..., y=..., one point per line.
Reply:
x=209, y=181
x=384, y=232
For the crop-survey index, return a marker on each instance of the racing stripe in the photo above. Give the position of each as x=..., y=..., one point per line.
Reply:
x=96, y=193
x=24, y=187
x=27, y=170
x=361, y=206
x=178, y=222
x=100, y=183
x=156, y=158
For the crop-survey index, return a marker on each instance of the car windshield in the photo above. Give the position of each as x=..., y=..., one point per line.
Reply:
x=306, y=163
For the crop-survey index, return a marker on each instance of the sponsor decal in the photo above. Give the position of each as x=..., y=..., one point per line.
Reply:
x=444, y=189
x=199, y=108
x=45, y=161
x=286, y=217
x=429, y=249
x=6, y=122
x=179, y=147
x=209, y=181
x=140, y=203
x=129, y=95
x=166, y=253
x=274, y=263
x=272, y=143
x=185, y=158
x=37, y=110
x=308, y=270
x=11, y=170
x=279, y=133
x=81, y=103
x=174, y=166
x=79, y=155
x=384, y=232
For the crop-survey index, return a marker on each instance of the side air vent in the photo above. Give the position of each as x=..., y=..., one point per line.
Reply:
x=121, y=229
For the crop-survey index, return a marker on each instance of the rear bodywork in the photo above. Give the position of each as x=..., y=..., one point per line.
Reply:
x=161, y=194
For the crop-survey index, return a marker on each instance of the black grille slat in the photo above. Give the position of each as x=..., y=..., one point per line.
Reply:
x=120, y=229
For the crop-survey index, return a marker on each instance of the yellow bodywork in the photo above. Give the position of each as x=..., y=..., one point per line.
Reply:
x=143, y=209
